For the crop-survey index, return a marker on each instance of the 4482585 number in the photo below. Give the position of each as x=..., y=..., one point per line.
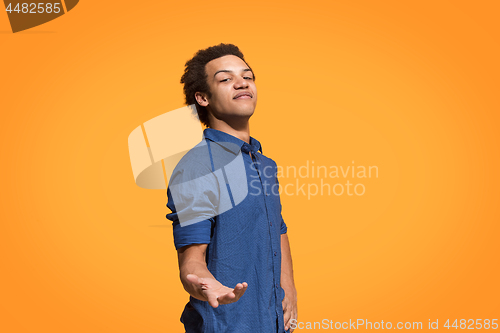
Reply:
x=33, y=8
x=471, y=324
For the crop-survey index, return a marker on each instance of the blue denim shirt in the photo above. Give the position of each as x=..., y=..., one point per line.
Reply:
x=229, y=199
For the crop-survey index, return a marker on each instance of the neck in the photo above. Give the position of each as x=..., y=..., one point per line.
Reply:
x=239, y=129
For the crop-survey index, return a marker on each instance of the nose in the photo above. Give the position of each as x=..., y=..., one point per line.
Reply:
x=240, y=82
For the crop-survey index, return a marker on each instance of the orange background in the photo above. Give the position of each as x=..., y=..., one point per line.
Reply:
x=409, y=87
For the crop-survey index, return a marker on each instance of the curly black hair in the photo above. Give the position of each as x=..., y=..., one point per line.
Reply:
x=195, y=76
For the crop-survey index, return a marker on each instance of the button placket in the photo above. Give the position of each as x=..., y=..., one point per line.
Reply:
x=274, y=241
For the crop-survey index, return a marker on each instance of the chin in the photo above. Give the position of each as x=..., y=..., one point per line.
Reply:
x=244, y=111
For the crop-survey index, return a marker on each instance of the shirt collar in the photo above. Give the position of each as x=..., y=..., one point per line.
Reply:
x=235, y=144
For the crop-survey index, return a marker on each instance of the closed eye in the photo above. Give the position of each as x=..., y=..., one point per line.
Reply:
x=246, y=77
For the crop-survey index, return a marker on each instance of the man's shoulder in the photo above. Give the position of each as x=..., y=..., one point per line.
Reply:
x=194, y=164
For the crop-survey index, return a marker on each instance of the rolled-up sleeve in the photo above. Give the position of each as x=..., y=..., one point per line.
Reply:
x=193, y=195
x=284, y=228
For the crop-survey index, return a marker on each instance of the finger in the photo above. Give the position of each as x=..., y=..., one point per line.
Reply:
x=291, y=328
x=239, y=290
x=294, y=316
x=227, y=298
x=286, y=317
x=212, y=300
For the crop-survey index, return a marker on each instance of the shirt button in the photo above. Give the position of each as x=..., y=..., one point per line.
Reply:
x=274, y=253
x=271, y=223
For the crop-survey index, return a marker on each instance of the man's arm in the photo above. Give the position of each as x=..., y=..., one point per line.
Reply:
x=287, y=283
x=199, y=282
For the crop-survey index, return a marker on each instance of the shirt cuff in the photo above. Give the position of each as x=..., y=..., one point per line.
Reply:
x=284, y=228
x=196, y=233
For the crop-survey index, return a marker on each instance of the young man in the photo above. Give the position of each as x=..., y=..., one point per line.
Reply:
x=233, y=250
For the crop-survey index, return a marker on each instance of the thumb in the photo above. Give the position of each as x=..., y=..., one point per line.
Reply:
x=193, y=278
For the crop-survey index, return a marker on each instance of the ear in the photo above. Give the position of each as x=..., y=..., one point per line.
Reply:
x=201, y=98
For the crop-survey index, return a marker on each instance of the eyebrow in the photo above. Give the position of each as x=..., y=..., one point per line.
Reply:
x=228, y=71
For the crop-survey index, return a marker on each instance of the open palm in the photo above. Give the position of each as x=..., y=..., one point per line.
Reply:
x=215, y=292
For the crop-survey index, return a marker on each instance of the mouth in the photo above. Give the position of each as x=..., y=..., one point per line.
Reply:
x=243, y=96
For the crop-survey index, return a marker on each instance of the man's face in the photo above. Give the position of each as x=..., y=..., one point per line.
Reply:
x=234, y=94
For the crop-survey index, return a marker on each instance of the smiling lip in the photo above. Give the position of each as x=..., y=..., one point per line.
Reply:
x=243, y=95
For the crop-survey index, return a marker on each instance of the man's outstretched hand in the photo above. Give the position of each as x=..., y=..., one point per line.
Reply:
x=215, y=292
